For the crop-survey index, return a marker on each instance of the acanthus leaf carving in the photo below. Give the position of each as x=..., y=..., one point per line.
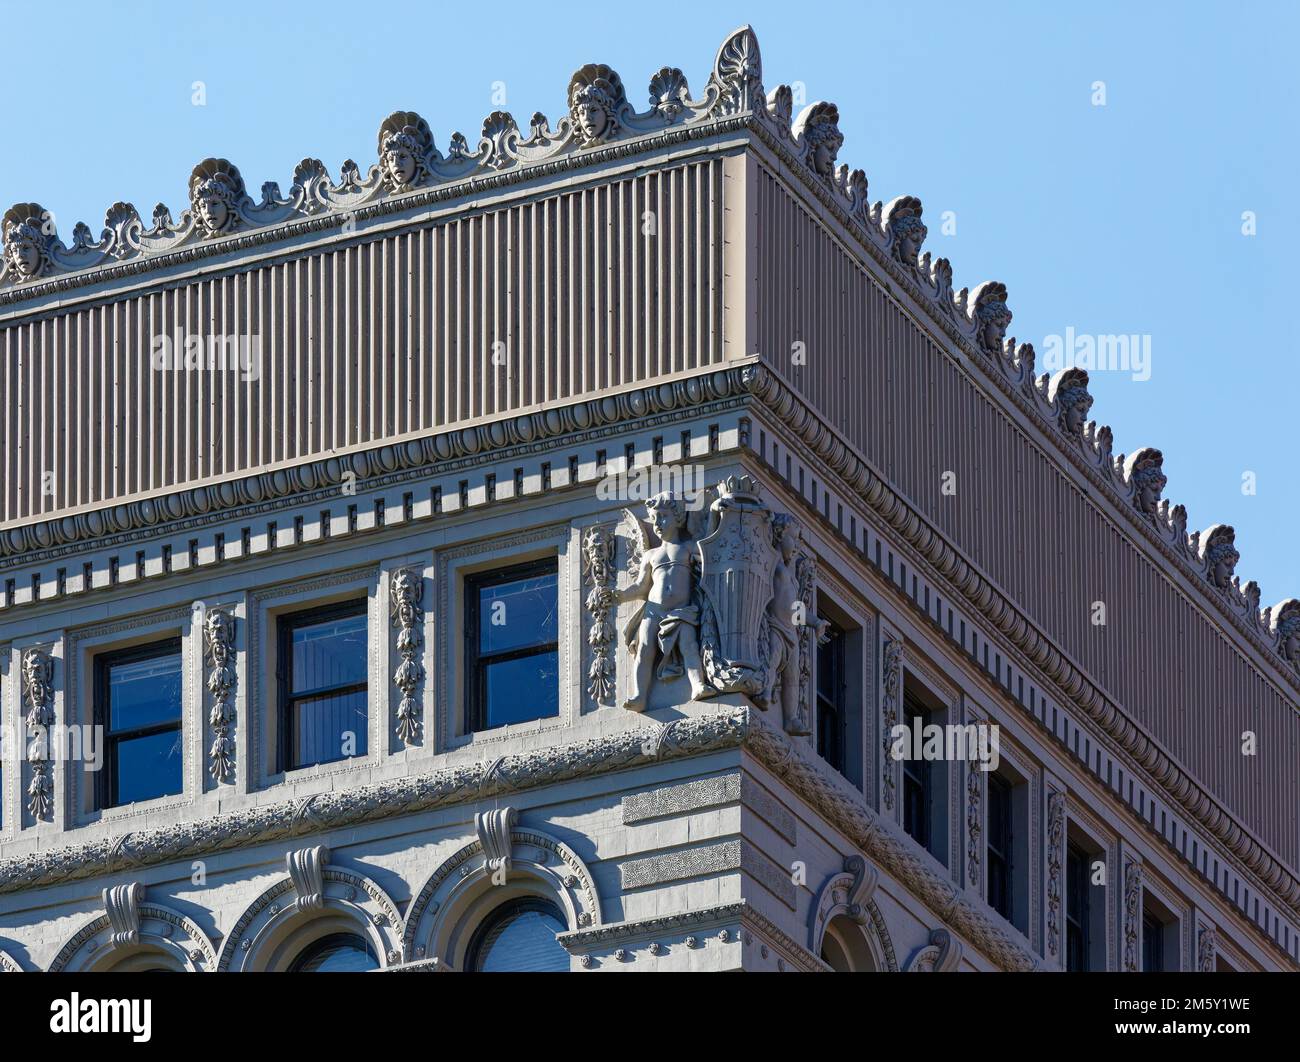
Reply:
x=306, y=868
x=219, y=653
x=598, y=546
x=38, y=690
x=406, y=590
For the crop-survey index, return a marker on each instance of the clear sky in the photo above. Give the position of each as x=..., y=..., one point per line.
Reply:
x=1119, y=219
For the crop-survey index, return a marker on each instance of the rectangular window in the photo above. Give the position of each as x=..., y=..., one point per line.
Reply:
x=512, y=645
x=917, y=781
x=322, y=674
x=1076, y=910
x=1153, y=943
x=998, y=845
x=832, y=706
x=138, y=706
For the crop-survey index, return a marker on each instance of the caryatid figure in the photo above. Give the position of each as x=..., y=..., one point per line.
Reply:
x=787, y=617
x=664, y=630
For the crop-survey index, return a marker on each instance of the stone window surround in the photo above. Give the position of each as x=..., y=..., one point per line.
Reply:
x=264, y=607
x=82, y=647
x=1020, y=770
x=951, y=702
x=453, y=565
x=859, y=626
x=1084, y=830
x=1169, y=902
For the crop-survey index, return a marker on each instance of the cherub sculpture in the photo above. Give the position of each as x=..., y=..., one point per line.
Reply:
x=789, y=615
x=664, y=629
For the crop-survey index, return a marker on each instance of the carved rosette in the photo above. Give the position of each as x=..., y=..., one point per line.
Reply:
x=406, y=589
x=219, y=654
x=598, y=544
x=1055, y=856
x=1132, y=914
x=38, y=692
x=891, y=692
x=974, y=823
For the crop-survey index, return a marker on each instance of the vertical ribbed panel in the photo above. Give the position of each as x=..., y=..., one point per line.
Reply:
x=915, y=416
x=573, y=293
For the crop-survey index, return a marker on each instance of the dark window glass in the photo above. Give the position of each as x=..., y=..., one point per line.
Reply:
x=322, y=685
x=520, y=936
x=512, y=645
x=138, y=705
x=916, y=781
x=831, y=692
x=1076, y=910
x=337, y=953
x=998, y=845
x=1153, y=951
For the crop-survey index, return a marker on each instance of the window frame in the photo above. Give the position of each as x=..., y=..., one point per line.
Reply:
x=503, y=913
x=914, y=708
x=998, y=845
x=838, y=638
x=105, y=789
x=285, y=624
x=475, y=711
x=333, y=940
x=1078, y=906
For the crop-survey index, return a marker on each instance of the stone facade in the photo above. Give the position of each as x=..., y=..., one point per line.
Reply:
x=464, y=361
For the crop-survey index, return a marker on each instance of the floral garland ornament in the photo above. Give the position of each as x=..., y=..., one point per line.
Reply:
x=405, y=592
x=219, y=653
x=598, y=567
x=38, y=690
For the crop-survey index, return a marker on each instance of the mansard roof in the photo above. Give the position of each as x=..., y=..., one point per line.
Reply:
x=600, y=124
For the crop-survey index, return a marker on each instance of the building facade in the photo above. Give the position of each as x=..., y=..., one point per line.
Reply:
x=603, y=545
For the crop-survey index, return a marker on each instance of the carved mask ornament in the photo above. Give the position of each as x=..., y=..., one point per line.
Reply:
x=28, y=236
x=595, y=96
x=216, y=190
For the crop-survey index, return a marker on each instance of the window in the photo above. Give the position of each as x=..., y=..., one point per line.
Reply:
x=322, y=676
x=512, y=644
x=1153, y=952
x=917, y=780
x=998, y=845
x=1077, y=950
x=138, y=705
x=337, y=953
x=519, y=936
x=831, y=698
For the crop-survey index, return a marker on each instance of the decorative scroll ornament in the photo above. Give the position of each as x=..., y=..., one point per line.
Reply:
x=598, y=545
x=219, y=653
x=28, y=231
x=406, y=589
x=405, y=145
x=905, y=230
x=1132, y=914
x=974, y=823
x=1068, y=393
x=891, y=693
x=1218, y=553
x=596, y=104
x=1145, y=477
x=1055, y=846
x=818, y=138
x=122, y=904
x=38, y=691
x=941, y=955
x=990, y=316
x=493, y=828
x=217, y=197
x=306, y=868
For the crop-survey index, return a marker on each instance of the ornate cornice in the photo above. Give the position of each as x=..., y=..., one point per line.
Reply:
x=948, y=563
x=410, y=172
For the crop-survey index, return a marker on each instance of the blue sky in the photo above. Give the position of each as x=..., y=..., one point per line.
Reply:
x=1117, y=219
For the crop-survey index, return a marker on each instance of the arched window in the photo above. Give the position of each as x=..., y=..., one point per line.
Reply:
x=845, y=948
x=519, y=936
x=337, y=953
